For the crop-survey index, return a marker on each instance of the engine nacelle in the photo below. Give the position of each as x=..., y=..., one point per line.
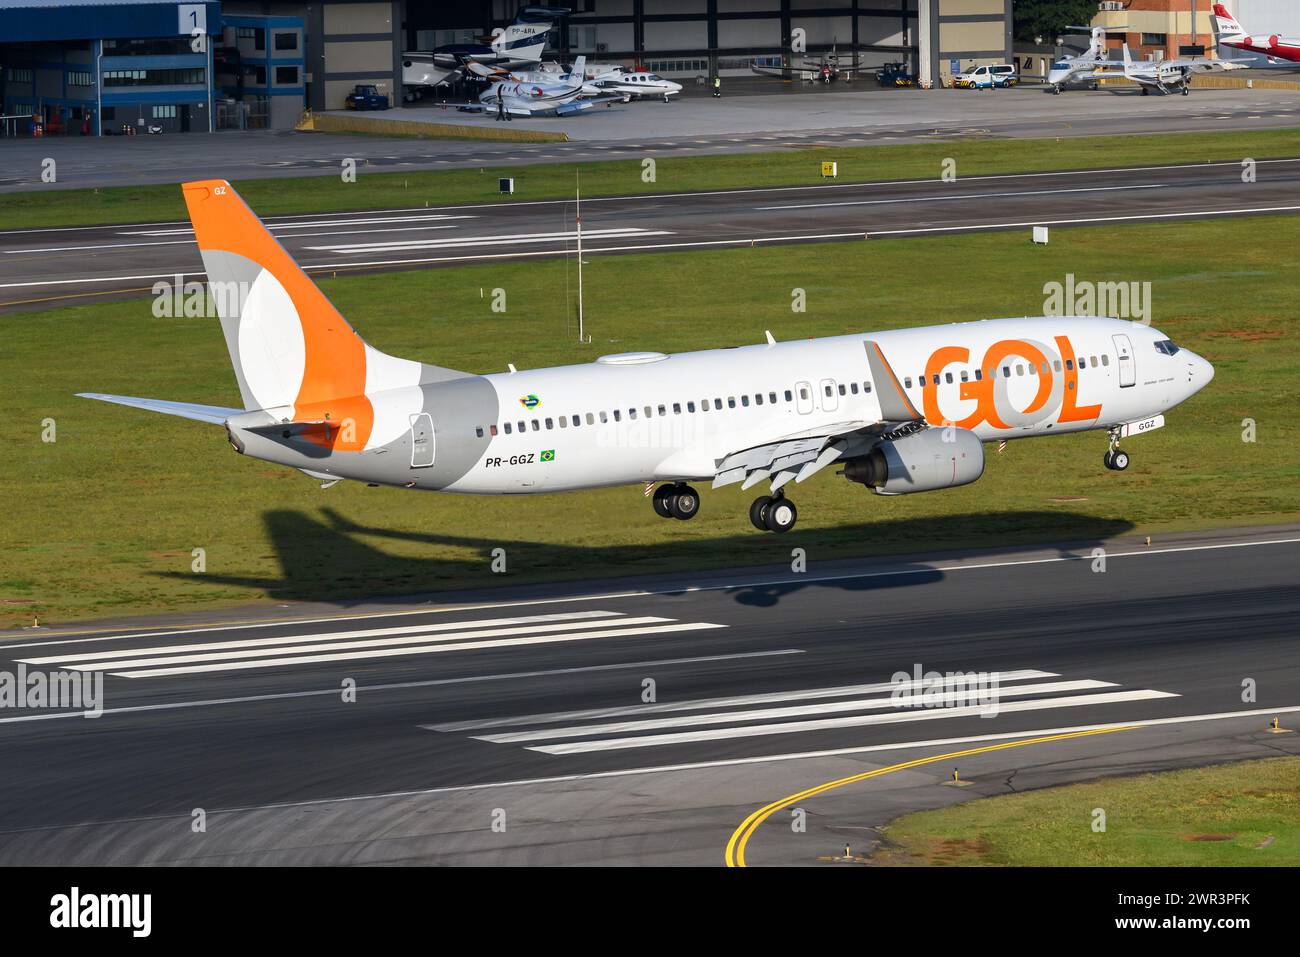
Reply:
x=923, y=461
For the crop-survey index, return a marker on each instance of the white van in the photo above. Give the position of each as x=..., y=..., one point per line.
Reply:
x=990, y=76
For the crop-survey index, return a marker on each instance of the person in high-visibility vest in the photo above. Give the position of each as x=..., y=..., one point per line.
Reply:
x=717, y=85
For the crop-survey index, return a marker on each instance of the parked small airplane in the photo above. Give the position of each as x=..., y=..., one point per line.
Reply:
x=900, y=411
x=553, y=98
x=1166, y=76
x=1068, y=69
x=518, y=46
x=618, y=81
x=826, y=69
x=1228, y=32
x=635, y=84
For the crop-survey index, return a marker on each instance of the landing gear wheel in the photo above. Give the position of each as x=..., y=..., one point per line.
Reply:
x=663, y=501
x=1056, y=89
x=1119, y=460
x=684, y=503
x=1106, y=459
x=1186, y=91
x=781, y=515
x=758, y=512
x=1145, y=91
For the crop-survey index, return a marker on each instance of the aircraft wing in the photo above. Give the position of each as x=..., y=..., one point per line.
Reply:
x=215, y=414
x=1205, y=66
x=781, y=71
x=483, y=71
x=800, y=455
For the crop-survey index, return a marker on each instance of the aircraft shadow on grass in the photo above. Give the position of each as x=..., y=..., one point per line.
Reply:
x=326, y=558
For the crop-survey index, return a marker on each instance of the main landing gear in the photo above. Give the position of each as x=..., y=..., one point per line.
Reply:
x=1115, y=459
x=773, y=513
x=676, y=501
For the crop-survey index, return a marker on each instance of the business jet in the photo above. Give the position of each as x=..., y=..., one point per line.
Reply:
x=1165, y=76
x=1068, y=69
x=518, y=46
x=635, y=84
x=899, y=411
x=1229, y=33
x=554, y=98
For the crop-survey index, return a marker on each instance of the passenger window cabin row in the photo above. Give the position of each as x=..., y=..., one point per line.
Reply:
x=649, y=411
x=1007, y=371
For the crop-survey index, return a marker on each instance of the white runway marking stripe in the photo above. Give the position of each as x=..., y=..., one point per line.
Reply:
x=958, y=196
x=313, y=224
x=93, y=655
x=97, y=664
x=733, y=701
x=855, y=721
x=948, y=699
x=403, y=651
x=465, y=241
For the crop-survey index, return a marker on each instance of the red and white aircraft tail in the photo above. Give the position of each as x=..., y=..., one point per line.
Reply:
x=1229, y=32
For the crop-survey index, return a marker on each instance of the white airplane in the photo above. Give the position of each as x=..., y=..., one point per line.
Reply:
x=618, y=81
x=562, y=98
x=1068, y=68
x=519, y=45
x=899, y=411
x=1167, y=76
x=632, y=83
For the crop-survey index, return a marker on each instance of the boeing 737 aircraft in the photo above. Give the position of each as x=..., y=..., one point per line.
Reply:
x=899, y=411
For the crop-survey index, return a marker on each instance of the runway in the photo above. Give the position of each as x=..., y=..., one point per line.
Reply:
x=39, y=268
x=645, y=722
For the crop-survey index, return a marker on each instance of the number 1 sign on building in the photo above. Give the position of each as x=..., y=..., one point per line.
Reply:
x=192, y=21
x=191, y=17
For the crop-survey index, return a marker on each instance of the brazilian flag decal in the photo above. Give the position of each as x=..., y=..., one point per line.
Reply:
x=548, y=455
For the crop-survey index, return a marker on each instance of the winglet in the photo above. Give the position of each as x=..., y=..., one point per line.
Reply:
x=895, y=406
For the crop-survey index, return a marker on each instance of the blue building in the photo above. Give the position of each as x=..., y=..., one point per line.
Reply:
x=96, y=66
x=108, y=66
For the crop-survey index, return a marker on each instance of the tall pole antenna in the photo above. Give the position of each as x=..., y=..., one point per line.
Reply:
x=578, y=219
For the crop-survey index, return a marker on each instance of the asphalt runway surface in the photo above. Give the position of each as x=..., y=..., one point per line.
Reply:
x=40, y=268
x=519, y=727
x=695, y=125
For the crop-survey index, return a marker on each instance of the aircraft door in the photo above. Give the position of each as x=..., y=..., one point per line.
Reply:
x=422, y=440
x=830, y=401
x=1127, y=370
x=803, y=400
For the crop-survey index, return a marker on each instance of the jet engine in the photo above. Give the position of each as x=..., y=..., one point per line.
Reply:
x=921, y=461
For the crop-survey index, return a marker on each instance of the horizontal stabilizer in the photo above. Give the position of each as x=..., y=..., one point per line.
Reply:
x=215, y=414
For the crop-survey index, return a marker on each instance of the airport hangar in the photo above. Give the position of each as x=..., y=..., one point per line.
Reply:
x=100, y=66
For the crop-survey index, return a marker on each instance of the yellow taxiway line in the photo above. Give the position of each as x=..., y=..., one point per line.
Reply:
x=735, y=853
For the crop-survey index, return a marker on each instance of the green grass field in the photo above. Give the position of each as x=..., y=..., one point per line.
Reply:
x=47, y=208
x=1234, y=815
x=103, y=520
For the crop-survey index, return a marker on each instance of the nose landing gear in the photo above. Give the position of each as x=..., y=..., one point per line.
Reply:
x=1115, y=458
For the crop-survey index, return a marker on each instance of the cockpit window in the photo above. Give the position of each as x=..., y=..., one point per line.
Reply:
x=1167, y=347
x=1062, y=65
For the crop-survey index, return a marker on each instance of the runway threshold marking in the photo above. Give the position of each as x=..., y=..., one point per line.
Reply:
x=734, y=855
x=927, y=569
